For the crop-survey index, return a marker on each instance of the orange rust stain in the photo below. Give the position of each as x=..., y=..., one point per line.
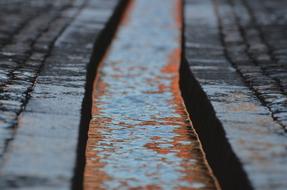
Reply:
x=94, y=175
x=155, y=138
x=155, y=147
x=147, y=187
x=162, y=88
x=173, y=64
x=172, y=67
x=126, y=16
x=94, y=166
x=158, y=122
x=178, y=12
x=183, y=150
x=94, y=163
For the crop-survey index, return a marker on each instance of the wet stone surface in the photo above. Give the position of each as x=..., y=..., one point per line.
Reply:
x=220, y=62
x=255, y=40
x=23, y=50
x=50, y=73
x=140, y=135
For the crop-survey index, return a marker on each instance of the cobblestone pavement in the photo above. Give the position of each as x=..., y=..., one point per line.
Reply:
x=26, y=44
x=233, y=81
x=255, y=30
x=46, y=62
x=235, y=66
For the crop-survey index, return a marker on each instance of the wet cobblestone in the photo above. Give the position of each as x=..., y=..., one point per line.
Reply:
x=243, y=95
x=46, y=63
x=236, y=53
x=20, y=55
x=255, y=53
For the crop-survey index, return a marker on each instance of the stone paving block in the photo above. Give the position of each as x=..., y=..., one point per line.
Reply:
x=60, y=125
x=257, y=46
x=20, y=61
x=49, y=126
x=254, y=150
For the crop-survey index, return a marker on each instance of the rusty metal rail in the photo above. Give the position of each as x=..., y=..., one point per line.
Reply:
x=140, y=134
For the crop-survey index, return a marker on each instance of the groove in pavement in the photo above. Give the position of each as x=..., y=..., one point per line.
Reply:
x=140, y=135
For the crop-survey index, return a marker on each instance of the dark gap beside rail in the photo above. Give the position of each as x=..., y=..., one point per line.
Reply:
x=224, y=163
x=100, y=47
